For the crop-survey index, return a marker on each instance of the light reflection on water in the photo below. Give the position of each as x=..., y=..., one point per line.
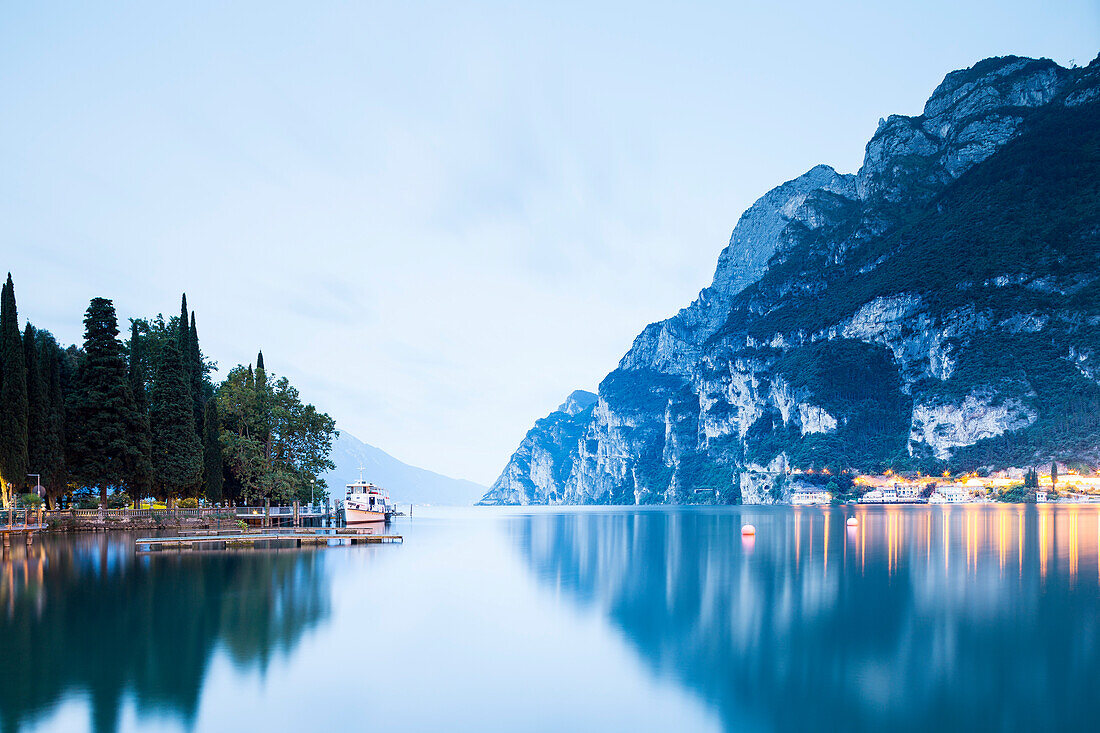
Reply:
x=980, y=617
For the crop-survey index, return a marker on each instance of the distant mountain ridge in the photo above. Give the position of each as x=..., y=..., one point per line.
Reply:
x=406, y=484
x=939, y=308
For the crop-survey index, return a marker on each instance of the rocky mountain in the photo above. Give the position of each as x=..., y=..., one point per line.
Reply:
x=406, y=484
x=939, y=308
x=544, y=459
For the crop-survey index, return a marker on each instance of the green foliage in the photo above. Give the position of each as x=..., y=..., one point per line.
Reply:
x=30, y=501
x=1010, y=237
x=274, y=445
x=1018, y=494
x=196, y=376
x=52, y=446
x=177, y=456
x=704, y=471
x=118, y=500
x=105, y=429
x=857, y=383
x=1031, y=480
x=36, y=401
x=137, y=375
x=138, y=370
x=213, y=472
x=1068, y=404
x=13, y=397
x=641, y=390
x=1035, y=204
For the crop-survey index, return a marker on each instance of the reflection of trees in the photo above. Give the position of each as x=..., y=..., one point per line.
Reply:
x=86, y=615
x=776, y=639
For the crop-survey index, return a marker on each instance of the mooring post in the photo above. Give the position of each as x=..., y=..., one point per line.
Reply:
x=267, y=512
x=410, y=511
x=297, y=520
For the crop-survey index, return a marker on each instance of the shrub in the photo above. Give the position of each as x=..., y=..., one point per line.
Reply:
x=118, y=500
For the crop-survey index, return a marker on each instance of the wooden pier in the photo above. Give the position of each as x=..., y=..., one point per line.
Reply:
x=27, y=531
x=30, y=525
x=237, y=538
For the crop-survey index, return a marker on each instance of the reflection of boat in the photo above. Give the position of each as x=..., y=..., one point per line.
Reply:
x=366, y=503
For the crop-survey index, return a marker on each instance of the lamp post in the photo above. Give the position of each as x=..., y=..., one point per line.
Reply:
x=312, y=484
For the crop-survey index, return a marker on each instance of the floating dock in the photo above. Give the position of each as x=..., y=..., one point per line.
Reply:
x=237, y=538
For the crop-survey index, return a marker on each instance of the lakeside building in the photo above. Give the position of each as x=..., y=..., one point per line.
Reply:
x=810, y=495
x=894, y=494
x=950, y=494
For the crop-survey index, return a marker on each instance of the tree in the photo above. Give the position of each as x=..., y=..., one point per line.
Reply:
x=1054, y=475
x=213, y=472
x=275, y=445
x=242, y=451
x=138, y=372
x=105, y=429
x=177, y=454
x=183, y=329
x=262, y=418
x=13, y=397
x=1031, y=479
x=196, y=374
x=54, y=476
x=137, y=375
x=36, y=402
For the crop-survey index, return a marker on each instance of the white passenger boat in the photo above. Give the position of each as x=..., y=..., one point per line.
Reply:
x=366, y=503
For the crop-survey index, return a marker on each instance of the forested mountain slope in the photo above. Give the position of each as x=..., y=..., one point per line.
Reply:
x=937, y=309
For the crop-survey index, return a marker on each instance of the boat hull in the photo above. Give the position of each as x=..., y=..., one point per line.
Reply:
x=353, y=517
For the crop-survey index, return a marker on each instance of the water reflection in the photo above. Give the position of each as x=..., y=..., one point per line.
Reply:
x=975, y=616
x=85, y=615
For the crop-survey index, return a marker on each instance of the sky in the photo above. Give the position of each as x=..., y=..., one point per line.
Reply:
x=438, y=219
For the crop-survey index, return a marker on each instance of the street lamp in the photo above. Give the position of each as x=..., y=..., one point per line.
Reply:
x=312, y=484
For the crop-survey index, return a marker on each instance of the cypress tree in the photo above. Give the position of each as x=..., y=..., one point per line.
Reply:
x=13, y=397
x=262, y=416
x=213, y=476
x=196, y=373
x=138, y=373
x=177, y=454
x=141, y=484
x=183, y=334
x=107, y=445
x=36, y=402
x=53, y=438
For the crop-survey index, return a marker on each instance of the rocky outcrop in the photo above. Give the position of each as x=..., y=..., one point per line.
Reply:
x=535, y=472
x=936, y=307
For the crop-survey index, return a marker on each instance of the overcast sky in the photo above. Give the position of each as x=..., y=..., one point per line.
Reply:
x=439, y=219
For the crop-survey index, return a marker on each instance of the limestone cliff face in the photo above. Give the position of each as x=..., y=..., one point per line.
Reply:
x=537, y=469
x=938, y=306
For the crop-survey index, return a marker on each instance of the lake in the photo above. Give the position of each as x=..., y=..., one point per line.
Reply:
x=605, y=619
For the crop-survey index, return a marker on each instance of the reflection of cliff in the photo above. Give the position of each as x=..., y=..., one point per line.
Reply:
x=886, y=629
x=85, y=615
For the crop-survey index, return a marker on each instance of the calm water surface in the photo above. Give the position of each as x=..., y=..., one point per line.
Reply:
x=978, y=618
